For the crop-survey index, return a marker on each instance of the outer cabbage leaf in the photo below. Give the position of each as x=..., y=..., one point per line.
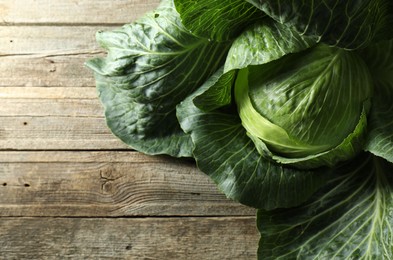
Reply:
x=350, y=218
x=220, y=94
x=263, y=42
x=215, y=19
x=151, y=66
x=379, y=57
x=348, y=24
x=225, y=153
x=260, y=43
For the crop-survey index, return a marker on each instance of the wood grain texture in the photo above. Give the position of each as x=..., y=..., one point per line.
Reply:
x=48, y=40
x=107, y=184
x=62, y=70
x=48, y=55
x=72, y=11
x=128, y=238
x=39, y=118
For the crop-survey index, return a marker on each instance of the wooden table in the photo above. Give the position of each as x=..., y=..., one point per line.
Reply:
x=68, y=188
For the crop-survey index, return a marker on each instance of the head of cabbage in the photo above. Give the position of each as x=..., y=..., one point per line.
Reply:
x=308, y=109
x=272, y=99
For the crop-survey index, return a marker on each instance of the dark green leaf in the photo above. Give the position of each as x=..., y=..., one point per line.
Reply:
x=348, y=24
x=379, y=58
x=152, y=65
x=216, y=19
x=263, y=42
x=350, y=218
x=219, y=94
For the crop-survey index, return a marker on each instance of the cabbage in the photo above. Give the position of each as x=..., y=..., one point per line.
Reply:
x=288, y=107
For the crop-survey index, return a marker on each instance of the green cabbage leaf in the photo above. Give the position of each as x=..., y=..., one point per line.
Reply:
x=217, y=20
x=152, y=65
x=380, y=137
x=350, y=24
x=350, y=218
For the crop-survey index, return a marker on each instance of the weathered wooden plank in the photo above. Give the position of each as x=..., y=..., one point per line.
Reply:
x=56, y=133
x=47, y=93
x=72, y=11
x=107, y=184
x=128, y=238
x=83, y=157
x=54, y=118
x=48, y=40
x=49, y=102
x=47, y=55
x=55, y=71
